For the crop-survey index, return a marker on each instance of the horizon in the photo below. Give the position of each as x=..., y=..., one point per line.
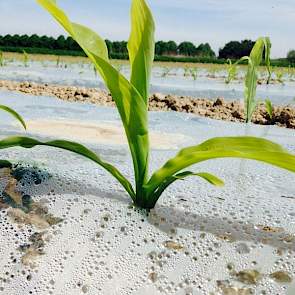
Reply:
x=238, y=21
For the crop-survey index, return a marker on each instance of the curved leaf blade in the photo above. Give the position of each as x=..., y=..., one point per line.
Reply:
x=27, y=142
x=130, y=104
x=262, y=45
x=223, y=147
x=152, y=200
x=141, y=46
x=269, y=108
x=14, y=114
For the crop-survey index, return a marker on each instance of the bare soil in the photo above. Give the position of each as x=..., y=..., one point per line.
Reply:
x=220, y=109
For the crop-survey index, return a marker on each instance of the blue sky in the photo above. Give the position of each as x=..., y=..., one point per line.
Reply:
x=213, y=21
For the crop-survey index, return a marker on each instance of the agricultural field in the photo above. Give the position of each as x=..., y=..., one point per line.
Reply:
x=196, y=80
x=135, y=177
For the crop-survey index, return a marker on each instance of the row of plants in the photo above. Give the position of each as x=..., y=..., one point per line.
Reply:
x=131, y=98
x=280, y=62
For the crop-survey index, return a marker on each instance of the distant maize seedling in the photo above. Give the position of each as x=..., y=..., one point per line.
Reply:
x=194, y=73
x=262, y=46
x=232, y=70
x=269, y=108
x=25, y=58
x=57, y=61
x=1, y=59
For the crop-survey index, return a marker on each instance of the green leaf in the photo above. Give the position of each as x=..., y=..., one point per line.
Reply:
x=232, y=68
x=27, y=142
x=206, y=176
x=130, y=103
x=269, y=108
x=152, y=200
x=1, y=59
x=223, y=147
x=141, y=46
x=14, y=114
x=262, y=45
x=267, y=49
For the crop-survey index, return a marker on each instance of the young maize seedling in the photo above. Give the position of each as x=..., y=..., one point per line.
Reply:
x=269, y=108
x=261, y=46
x=194, y=73
x=58, y=61
x=185, y=71
x=291, y=73
x=231, y=71
x=25, y=59
x=1, y=59
x=165, y=72
x=280, y=76
x=131, y=98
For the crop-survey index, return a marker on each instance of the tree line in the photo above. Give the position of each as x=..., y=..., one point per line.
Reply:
x=118, y=49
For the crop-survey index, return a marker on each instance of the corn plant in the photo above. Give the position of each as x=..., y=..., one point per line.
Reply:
x=131, y=98
x=166, y=71
x=57, y=61
x=1, y=59
x=280, y=76
x=194, y=73
x=269, y=108
x=291, y=73
x=186, y=71
x=231, y=71
x=25, y=58
x=261, y=46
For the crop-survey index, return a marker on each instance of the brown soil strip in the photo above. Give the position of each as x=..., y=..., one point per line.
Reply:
x=220, y=109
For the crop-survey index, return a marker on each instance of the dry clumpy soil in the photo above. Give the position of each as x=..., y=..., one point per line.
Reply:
x=220, y=109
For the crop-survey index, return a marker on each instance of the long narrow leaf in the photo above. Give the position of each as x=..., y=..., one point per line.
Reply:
x=232, y=68
x=152, y=200
x=269, y=108
x=14, y=114
x=223, y=147
x=262, y=45
x=129, y=101
x=267, y=49
x=141, y=47
x=27, y=142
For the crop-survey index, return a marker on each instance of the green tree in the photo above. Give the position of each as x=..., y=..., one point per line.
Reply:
x=34, y=41
x=24, y=41
x=7, y=40
x=160, y=47
x=187, y=48
x=71, y=44
x=291, y=56
x=120, y=47
x=205, y=50
x=236, y=49
x=171, y=48
x=109, y=45
x=61, y=42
